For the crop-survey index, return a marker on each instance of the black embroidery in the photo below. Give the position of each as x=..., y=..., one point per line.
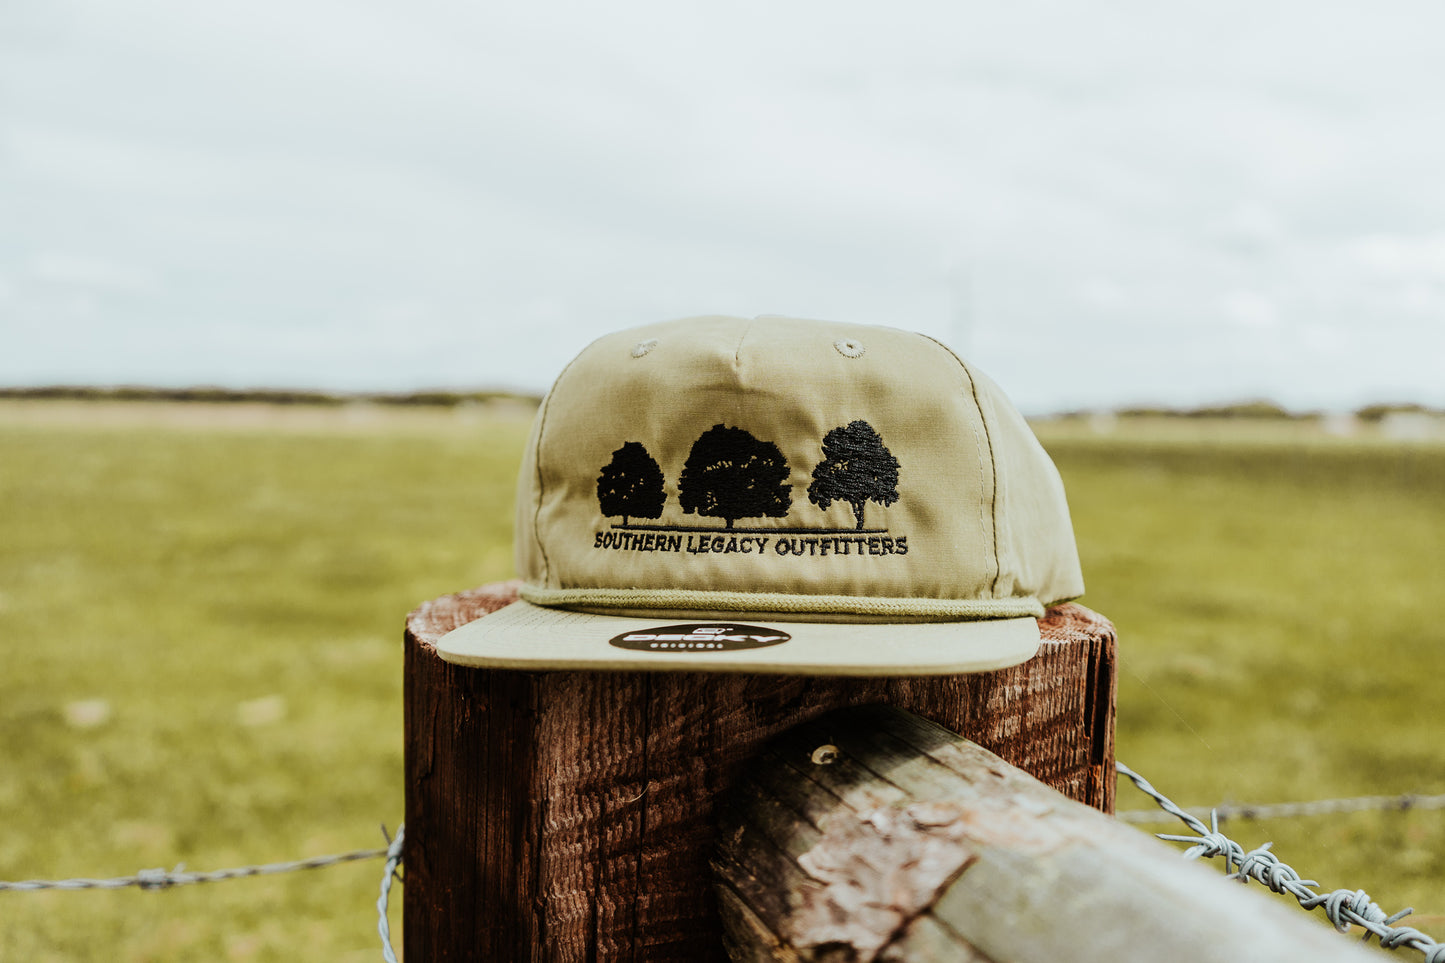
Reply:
x=729, y=474
x=631, y=484
x=856, y=469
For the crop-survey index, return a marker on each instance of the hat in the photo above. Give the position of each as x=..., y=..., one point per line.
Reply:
x=778, y=495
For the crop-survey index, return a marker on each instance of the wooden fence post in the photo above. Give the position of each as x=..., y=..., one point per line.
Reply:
x=572, y=815
x=872, y=834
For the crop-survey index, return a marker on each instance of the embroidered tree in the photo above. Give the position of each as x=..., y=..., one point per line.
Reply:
x=856, y=469
x=729, y=474
x=631, y=484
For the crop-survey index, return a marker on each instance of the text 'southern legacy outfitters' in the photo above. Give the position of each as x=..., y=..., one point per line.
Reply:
x=814, y=546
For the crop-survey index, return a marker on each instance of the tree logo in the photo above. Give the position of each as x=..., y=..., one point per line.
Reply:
x=856, y=469
x=729, y=474
x=631, y=484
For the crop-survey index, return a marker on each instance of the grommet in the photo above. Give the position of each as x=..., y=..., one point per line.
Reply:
x=849, y=348
x=642, y=347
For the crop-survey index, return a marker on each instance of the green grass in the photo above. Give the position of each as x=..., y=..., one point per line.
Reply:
x=235, y=598
x=200, y=654
x=1276, y=603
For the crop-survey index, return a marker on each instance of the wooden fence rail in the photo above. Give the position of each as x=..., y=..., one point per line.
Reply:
x=871, y=834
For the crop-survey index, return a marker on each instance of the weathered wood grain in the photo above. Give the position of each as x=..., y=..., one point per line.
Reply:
x=571, y=815
x=909, y=843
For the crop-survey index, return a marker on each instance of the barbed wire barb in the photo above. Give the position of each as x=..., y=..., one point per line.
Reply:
x=1342, y=907
x=393, y=862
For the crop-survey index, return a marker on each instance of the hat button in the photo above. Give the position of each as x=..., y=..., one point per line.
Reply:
x=849, y=348
x=642, y=347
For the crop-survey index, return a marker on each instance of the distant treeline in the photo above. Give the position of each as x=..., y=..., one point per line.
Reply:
x=437, y=399
x=1261, y=410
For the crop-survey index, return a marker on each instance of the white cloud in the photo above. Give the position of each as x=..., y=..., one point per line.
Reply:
x=1104, y=294
x=1401, y=256
x=1423, y=297
x=1250, y=309
x=65, y=269
x=472, y=192
x=1250, y=227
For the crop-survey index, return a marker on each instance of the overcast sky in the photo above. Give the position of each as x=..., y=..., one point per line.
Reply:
x=1099, y=203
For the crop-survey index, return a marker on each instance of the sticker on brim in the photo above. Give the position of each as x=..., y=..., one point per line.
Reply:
x=700, y=637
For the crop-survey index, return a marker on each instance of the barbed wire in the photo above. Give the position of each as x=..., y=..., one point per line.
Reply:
x=154, y=879
x=1344, y=908
x=165, y=879
x=1317, y=807
x=393, y=860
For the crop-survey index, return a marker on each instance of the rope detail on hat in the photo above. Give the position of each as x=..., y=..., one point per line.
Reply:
x=760, y=604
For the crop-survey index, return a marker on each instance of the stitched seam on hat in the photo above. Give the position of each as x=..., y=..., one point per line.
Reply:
x=992, y=464
x=738, y=353
x=737, y=369
x=763, y=602
x=993, y=494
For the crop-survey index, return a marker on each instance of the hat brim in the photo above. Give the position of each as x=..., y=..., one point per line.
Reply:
x=533, y=637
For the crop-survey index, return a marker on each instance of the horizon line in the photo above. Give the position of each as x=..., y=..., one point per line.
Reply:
x=753, y=531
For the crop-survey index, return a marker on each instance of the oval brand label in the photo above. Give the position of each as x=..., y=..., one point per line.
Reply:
x=700, y=637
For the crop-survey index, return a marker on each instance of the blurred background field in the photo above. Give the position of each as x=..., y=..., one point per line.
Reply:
x=200, y=662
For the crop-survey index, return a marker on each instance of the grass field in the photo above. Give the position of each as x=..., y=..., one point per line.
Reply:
x=200, y=662
x=1276, y=601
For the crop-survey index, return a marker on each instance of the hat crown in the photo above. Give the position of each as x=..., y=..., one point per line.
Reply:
x=791, y=467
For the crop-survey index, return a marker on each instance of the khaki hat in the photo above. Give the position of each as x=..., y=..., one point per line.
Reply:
x=778, y=495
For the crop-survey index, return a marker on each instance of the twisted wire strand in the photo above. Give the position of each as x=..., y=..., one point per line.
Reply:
x=1342, y=907
x=393, y=860
x=1317, y=807
x=165, y=879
